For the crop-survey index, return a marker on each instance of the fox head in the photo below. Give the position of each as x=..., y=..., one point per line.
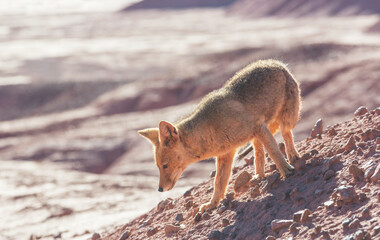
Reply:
x=170, y=154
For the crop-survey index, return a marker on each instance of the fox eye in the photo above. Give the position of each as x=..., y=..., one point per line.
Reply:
x=165, y=166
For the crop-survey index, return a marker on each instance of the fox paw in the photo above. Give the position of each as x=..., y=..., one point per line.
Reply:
x=207, y=206
x=287, y=171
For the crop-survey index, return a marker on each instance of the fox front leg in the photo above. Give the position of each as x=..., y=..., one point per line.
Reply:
x=223, y=173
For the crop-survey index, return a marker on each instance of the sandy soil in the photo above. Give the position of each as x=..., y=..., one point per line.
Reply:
x=77, y=80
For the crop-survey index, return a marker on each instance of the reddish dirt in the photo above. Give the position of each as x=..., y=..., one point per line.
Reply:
x=326, y=176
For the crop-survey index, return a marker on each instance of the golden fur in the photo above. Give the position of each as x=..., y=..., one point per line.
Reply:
x=254, y=104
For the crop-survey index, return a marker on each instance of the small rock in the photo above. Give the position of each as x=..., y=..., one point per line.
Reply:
x=95, y=236
x=163, y=204
x=350, y=144
x=365, y=212
x=198, y=217
x=346, y=223
x=345, y=194
x=221, y=209
x=225, y=222
x=241, y=180
x=179, y=217
x=277, y=224
x=325, y=235
x=206, y=216
x=249, y=161
x=376, y=175
x=328, y=174
x=230, y=196
x=187, y=193
x=329, y=204
x=330, y=162
x=370, y=134
x=331, y=132
x=369, y=172
x=360, y=111
x=360, y=235
x=271, y=179
x=362, y=197
x=215, y=235
x=313, y=152
x=254, y=191
x=169, y=229
x=125, y=235
x=189, y=204
x=359, y=152
x=293, y=228
x=212, y=174
x=254, y=182
x=270, y=238
x=354, y=224
x=356, y=172
x=317, y=129
x=305, y=216
x=297, y=216
x=152, y=231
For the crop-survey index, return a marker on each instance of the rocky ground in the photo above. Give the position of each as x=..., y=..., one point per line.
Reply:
x=333, y=194
x=79, y=78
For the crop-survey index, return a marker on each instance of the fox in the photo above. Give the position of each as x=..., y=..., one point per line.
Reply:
x=258, y=101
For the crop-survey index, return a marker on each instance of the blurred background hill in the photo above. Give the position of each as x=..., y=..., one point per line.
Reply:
x=79, y=78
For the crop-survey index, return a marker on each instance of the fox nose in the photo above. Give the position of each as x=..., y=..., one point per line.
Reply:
x=160, y=189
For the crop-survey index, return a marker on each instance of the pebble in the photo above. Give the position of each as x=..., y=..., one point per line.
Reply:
x=354, y=224
x=365, y=212
x=331, y=132
x=179, y=217
x=346, y=194
x=187, y=193
x=305, y=216
x=225, y=222
x=169, y=228
x=125, y=235
x=356, y=172
x=270, y=238
x=317, y=129
x=369, y=172
x=277, y=224
x=330, y=162
x=95, y=236
x=297, y=216
x=198, y=217
x=230, y=196
x=360, y=111
x=346, y=223
x=300, y=164
x=350, y=144
x=163, y=204
x=328, y=174
x=271, y=179
x=152, y=231
x=329, y=204
x=376, y=175
x=241, y=180
x=212, y=174
x=370, y=134
x=318, y=192
x=188, y=204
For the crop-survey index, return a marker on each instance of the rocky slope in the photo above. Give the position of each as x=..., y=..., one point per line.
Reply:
x=333, y=194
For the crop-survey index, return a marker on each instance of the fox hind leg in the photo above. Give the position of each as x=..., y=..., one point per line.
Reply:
x=263, y=134
x=291, y=151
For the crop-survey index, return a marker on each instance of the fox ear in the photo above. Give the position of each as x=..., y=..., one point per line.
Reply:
x=168, y=133
x=151, y=134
